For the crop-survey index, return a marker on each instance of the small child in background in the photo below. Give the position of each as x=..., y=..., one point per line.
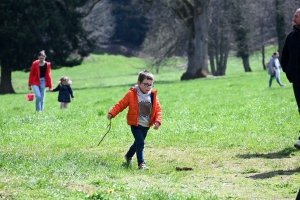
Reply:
x=65, y=91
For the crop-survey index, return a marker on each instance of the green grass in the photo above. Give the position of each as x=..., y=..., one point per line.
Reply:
x=237, y=133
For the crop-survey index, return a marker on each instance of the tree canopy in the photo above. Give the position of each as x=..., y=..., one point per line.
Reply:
x=28, y=26
x=131, y=25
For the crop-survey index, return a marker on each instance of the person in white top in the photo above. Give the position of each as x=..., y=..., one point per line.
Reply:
x=274, y=69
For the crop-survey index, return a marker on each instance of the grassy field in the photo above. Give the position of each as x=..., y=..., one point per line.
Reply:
x=235, y=132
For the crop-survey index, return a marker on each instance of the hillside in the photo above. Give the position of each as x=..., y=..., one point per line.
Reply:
x=234, y=131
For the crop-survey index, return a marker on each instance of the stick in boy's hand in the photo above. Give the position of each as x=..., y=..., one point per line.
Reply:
x=108, y=127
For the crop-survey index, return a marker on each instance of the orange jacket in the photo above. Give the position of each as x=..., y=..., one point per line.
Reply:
x=34, y=75
x=131, y=100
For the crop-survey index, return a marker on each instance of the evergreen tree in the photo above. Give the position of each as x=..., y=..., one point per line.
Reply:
x=131, y=24
x=28, y=26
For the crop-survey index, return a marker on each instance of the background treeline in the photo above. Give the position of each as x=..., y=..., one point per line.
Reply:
x=240, y=26
x=203, y=31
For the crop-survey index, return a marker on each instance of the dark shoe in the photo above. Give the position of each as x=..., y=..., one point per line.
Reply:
x=128, y=160
x=143, y=166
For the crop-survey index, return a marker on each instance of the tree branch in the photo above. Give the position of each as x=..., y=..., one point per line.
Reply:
x=91, y=8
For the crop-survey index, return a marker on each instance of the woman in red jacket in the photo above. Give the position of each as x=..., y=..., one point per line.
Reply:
x=39, y=79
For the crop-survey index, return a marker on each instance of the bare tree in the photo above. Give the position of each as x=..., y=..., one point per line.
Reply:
x=244, y=26
x=201, y=23
x=167, y=36
x=280, y=23
x=218, y=39
x=263, y=17
x=99, y=21
x=262, y=26
x=241, y=32
x=196, y=17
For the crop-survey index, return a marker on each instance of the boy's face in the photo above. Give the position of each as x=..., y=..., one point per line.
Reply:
x=146, y=85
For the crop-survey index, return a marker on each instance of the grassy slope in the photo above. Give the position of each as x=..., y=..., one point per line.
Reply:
x=235, y=131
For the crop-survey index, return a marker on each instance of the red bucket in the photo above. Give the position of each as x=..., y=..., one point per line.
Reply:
x=30, y=97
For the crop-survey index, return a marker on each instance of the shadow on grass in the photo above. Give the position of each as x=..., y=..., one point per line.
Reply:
x=275, y=173
x=285, y=153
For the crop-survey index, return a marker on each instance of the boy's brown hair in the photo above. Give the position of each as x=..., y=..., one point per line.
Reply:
x=145, y=75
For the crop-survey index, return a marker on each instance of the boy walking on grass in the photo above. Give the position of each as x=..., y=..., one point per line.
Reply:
x=144, y=111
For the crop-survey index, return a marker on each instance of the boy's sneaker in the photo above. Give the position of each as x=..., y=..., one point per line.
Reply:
x=297, y=145
x=143, y=166
x=128, y=160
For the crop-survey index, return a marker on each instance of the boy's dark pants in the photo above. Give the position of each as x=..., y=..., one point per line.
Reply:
x=139, y=133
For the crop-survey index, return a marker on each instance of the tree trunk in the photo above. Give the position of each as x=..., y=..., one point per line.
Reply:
x=218, y=37
x=201, y=23
x=241, y=32
x=189, y=74
x=280, y=24
x=246, y=63
x=197, y=48
x=263, y=57
x=262, y=26
x=223, y=58
x=211, y=57
x=5, y=84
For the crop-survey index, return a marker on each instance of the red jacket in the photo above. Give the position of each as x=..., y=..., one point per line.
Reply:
x=34, y=75
x=131, y=100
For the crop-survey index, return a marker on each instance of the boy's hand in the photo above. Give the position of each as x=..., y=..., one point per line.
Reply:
x=109, y=116
x=29, y=87
x=156, y=125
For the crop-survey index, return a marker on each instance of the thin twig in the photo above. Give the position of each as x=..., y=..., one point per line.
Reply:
x=109, y=127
